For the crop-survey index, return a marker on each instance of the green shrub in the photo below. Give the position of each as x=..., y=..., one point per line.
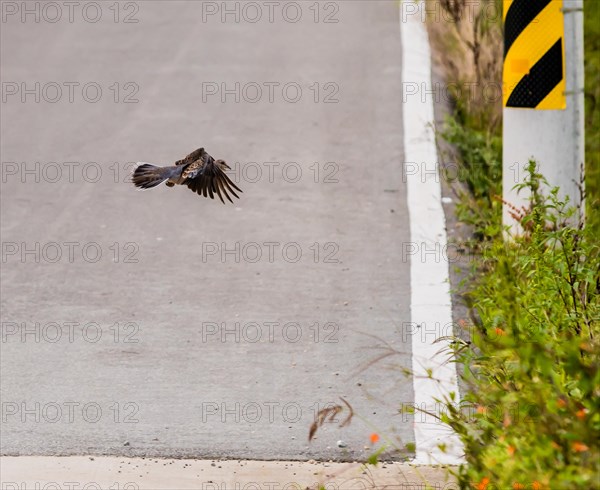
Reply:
x=532, y=409
x=479, y=157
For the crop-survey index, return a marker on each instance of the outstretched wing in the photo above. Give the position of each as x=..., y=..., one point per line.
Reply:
x=209, y=178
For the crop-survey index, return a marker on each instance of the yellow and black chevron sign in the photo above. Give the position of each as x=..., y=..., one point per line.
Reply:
x=534, y=54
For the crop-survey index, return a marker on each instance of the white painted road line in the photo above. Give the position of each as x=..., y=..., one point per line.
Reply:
x=431, y=305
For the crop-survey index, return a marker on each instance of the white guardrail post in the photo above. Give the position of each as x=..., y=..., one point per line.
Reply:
x=543, y=97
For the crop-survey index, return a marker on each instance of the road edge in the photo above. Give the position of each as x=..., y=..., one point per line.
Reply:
x=93, y=473
x=434, y=375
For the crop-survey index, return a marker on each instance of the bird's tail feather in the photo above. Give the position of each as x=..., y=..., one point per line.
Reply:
x=146, y=175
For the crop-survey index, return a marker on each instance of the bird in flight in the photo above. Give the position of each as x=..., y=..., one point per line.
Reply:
x=199, y=171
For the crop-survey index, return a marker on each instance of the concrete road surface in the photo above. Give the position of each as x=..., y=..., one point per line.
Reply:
x=161, y=323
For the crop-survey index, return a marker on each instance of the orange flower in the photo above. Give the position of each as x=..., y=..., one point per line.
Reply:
x=561, y=403
x=536, y=485
x=481, y=409
x=581, y=413
x=518, y=486
x=483, y=483
x=585, y=346
x=374, y=438
x=511, y=450
x=500, y=332
x=579, y=447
